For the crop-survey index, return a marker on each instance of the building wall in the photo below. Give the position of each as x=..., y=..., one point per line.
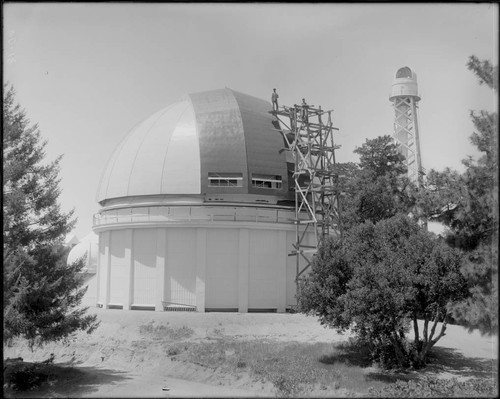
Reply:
x=221, y=282
x=180, y=269
x=119, y=267
x=237, y=268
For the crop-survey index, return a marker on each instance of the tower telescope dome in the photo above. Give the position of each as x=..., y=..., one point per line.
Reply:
x=404, y=98
x=405, y=84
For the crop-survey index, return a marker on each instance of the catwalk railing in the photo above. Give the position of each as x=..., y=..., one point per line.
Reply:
x=193, y=214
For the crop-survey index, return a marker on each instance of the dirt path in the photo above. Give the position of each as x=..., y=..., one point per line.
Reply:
x=158, y=386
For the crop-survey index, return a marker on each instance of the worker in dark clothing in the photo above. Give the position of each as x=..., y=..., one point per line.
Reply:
x=304, y=109
x=274, y=100
x=292, y=112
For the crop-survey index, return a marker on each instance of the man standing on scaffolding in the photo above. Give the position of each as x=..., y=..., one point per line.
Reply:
x=274, y=100
x=303, y=113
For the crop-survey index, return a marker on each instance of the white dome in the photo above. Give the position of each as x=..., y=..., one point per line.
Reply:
x=405, y=84
x=88, y=247
x=70, y=240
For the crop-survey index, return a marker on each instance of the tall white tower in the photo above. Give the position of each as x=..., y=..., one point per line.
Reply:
x=404, y=97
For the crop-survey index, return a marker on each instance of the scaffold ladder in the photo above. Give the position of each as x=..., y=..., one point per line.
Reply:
x=308, y=133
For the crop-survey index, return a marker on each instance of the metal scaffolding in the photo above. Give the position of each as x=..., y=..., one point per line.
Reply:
x=308, y=133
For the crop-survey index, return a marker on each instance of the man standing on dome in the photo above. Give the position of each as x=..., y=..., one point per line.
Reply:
x=274, y=100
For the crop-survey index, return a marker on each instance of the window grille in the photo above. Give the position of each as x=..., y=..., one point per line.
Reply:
x=225, y=180
x=267, y=181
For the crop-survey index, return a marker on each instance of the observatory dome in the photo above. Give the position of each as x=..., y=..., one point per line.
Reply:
x=86, y=249
x=218, y=145
x=196, y=211
x=405, y=84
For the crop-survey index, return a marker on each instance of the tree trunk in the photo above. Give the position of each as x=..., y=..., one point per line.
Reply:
x=399, y=350
x=429, y=342
x=417, y=343
x=415, y=329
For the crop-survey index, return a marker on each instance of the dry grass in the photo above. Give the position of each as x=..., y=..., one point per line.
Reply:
x=165, y=332
x=294, y=369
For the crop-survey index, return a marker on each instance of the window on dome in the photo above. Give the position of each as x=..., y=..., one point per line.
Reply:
x=404, y=72
x=266, y=181
x=225, y=180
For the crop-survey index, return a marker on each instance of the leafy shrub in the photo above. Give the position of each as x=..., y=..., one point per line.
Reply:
x=378, y=280
x=25, y=376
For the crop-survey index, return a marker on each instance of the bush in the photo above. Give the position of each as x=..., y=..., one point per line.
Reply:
x=25, y=376
x=378, y=280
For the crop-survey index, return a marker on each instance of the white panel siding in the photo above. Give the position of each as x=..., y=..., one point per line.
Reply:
x=119, y=268
x=144, y=253
x=263, y=269
x=243, y=263
x=180, y=276
x=161, y=253
x=291, y=286
x=103, y=265
x=237, y=268
x=201, y=267
x=222, y=269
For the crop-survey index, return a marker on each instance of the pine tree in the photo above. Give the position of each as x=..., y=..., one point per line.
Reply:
x=41, y=293
x=474, y=226
x=467, y=203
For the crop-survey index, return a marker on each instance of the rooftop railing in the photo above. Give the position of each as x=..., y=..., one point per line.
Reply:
x=193, y=214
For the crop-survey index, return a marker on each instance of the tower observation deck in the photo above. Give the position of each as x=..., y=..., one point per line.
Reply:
x=404, y=97
x=308, y=134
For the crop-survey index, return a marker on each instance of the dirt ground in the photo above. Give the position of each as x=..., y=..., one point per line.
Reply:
x=118, y=360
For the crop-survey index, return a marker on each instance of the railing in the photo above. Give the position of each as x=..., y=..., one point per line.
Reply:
x=193, y=214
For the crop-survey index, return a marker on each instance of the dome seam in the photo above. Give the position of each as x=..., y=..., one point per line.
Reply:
x=167, y=150
x=115, y=155
x=238, y=106
x=140, y=145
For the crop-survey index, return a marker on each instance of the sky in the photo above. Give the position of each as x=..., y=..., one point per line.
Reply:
x=87, y=73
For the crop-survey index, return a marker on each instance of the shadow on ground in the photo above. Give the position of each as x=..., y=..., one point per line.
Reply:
x=452, y=361
x=67, y=380
x=348, y=354
x=357, y=355
x=441, y=360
